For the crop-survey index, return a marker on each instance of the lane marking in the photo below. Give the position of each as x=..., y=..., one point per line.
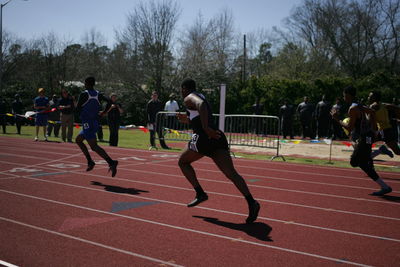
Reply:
x=90, y=242
x=7, y=264
x=261, y=163
x=227, y=212
x=223, y=194
x=173, y=227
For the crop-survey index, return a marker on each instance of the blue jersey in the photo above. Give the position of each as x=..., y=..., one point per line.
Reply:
x=41, y=102
x=90, y=109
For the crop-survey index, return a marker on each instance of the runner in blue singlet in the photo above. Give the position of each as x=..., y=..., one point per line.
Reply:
x=89, y=107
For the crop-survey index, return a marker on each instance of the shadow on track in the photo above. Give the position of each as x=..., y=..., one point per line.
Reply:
x=258, y=230
x=119, y=190
x=391, y=198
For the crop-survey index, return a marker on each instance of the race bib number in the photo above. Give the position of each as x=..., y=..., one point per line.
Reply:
x=193, y=143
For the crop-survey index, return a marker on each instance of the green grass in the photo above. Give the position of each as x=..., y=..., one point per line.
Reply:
x=139, y=140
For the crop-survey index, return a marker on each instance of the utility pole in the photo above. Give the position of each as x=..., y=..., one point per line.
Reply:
x=244, y=58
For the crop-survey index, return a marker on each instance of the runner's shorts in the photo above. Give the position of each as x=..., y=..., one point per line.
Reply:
x=202, y=144
x=89, y=129
x=41, y=120
x=362, y=151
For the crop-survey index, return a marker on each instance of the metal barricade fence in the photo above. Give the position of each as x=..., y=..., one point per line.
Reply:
x=240, y=130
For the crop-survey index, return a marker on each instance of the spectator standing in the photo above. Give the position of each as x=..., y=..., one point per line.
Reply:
x=394, y=121
x=41, y=104
x=337, y=129
x=3, y=112
x=17, y=110
x=113, y=111
x=323, y=117
x=54, y=117
x=305, y=111
x=257, y=109
x=153, y=107
x=66, y=106
x=286, y=114
x=171, y=106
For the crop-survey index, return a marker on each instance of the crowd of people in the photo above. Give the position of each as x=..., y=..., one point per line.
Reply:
x=316, y=122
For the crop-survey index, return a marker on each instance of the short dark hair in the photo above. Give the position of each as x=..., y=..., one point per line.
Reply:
x=90, y=81
x=350, y=90
x=377, y=95
x=189, y=84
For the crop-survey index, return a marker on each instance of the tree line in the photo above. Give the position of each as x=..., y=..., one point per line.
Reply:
x=324, y=46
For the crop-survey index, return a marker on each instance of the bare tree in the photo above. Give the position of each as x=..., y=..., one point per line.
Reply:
x=149, y=32
x=361, y=34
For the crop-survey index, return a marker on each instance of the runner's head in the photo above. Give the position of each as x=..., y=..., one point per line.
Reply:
x=90, y=82
x=349, y=94
x=188, y=86
x=374, y=96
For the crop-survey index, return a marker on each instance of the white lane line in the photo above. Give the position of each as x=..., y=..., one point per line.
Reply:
x=256, y=161
x=266, y=177
x=178, y=228
x=7, y=264
x=249, y=175
x=230, y=195
x=235, y=213
x=264, y=187
x=90, y=242
x=250, y=185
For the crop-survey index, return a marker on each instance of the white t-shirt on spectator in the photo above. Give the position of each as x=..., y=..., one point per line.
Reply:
x=172, y=106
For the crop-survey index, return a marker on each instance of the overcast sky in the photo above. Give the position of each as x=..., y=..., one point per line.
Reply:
x=72, y=18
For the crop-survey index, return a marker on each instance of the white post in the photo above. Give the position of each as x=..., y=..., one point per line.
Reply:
x=222, y=97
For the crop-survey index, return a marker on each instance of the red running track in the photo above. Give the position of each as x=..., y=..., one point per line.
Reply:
x=54, y=213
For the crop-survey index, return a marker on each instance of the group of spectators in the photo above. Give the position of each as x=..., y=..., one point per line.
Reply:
x=55, y=113
x=315, y=120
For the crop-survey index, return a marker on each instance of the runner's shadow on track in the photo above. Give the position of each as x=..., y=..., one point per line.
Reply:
x=391, y=198
x=258, y=230
x=119, y=190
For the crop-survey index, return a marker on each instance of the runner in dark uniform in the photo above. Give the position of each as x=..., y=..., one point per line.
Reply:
x=362, y=134
x=89, y=106
x=207, y=140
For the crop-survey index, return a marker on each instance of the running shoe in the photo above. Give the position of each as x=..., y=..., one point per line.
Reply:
x=383, y=191
x=113, y=168
x=199, y=198
x=253, y=212
x=384, y=150
x=90, y=166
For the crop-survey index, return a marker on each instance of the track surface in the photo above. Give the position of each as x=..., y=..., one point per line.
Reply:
x=54, y=213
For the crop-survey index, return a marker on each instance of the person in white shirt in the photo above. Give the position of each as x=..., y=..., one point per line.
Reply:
x=173, y=107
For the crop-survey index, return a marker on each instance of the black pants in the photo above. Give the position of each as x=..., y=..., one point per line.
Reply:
x=3, y=122
x=18, y=123
x=306, y=128
x=100, y=132
x=55, y=126
x=159, y=131
x=287, y=129
x=114, y=128
x=323, y=127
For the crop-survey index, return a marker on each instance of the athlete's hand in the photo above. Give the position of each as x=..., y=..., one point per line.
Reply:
x=334, y=114
x=213, y=134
